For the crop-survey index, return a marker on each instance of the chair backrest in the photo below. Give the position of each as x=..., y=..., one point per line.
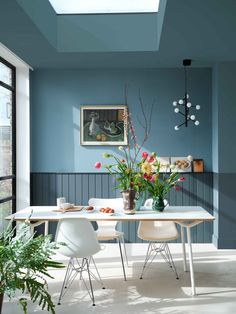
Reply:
x=115, y=203
x=79, y=237
x=151, y=224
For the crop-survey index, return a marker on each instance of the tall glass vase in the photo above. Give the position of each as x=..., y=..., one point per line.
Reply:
x=129, y=201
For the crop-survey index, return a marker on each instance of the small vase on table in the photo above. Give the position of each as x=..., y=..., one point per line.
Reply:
x=139, y=200
x=129, y=201
x=158, y=203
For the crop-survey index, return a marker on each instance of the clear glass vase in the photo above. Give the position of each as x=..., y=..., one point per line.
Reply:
x=139, y=200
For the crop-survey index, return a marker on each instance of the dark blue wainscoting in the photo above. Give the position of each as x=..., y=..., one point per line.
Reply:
x=79, y=187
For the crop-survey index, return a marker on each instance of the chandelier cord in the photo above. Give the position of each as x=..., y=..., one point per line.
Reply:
x=185, y=79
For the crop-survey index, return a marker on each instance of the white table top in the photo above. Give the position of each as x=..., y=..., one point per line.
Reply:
x=171, y=213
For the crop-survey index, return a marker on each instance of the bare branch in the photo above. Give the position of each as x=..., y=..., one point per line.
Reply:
x=142, y=108
x=150, y=117
x=145, y=124
x=140, y=122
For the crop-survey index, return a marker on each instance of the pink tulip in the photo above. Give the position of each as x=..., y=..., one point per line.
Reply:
x=97, y=165
x=181, y=179
x=177, y=188
x=144, y=155
x=150, y=159
x=153, y=178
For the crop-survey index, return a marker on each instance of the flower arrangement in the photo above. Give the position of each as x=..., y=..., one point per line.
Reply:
x=127, y=169
x=138, y=171
x=158, y=184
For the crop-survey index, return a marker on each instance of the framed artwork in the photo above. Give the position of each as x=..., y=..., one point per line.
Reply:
x=103, y=125
x=165, y=163
x=182, y=164
x=198, y=165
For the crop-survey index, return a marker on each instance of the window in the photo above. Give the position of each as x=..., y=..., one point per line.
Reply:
x=104, y=6
x=7, y=141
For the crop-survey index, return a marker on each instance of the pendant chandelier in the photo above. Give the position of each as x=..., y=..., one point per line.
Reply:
x=184, y=106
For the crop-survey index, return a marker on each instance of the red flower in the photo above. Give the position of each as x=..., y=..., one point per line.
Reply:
x=181, y=179
x=177, y=188
x=97, y=165
x=146, y=177
x=144, y=155
x=150, y=159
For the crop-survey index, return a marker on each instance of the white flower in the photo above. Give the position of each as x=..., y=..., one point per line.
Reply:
x=121, y=148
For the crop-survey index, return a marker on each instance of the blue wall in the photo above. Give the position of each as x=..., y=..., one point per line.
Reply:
x=57, y=95
x=224, y=149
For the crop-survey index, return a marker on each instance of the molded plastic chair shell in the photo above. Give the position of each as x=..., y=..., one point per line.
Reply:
x=79, y=236
x=157, y=230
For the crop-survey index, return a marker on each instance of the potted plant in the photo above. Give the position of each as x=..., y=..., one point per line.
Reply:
x=24, y=263
x=159, y=184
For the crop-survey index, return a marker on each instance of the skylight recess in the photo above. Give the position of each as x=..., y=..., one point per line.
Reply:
x=104, y=6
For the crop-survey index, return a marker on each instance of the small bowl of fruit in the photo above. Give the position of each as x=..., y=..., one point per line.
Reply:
x=107, y=211
x=89, y=209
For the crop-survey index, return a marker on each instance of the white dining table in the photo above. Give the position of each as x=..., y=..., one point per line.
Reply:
x=186, y=216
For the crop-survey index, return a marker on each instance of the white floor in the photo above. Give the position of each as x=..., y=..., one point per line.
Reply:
x=158, y=292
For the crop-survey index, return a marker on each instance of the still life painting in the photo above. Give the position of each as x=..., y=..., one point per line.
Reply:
x=103, y=125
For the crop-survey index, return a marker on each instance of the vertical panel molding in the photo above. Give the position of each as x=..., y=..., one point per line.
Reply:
x=79, y=187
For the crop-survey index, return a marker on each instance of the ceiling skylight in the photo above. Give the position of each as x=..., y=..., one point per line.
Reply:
x=104, y=6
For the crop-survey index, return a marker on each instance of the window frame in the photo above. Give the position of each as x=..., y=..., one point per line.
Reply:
x=12, y=88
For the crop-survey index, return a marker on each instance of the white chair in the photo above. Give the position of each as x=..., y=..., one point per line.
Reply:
x=158, y=233
x=107, y=229
x=80, y=243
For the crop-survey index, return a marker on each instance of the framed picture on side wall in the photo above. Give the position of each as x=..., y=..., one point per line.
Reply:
x=182, y=164
x=165, y=164
x=103, y=125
